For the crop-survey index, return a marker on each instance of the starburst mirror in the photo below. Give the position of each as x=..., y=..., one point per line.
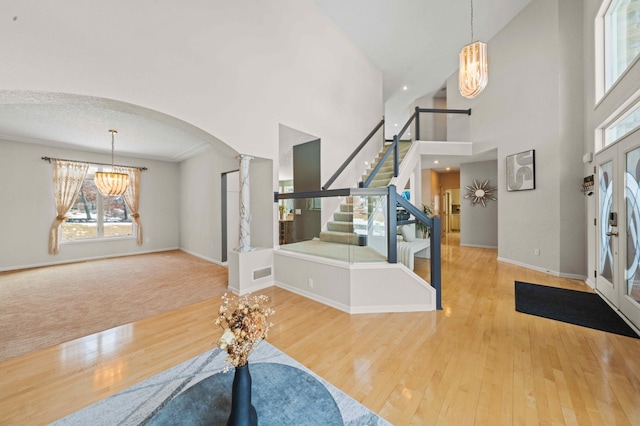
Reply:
x=478, y=193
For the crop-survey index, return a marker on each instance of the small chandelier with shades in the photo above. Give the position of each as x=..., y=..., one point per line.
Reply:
x=111, y=183
x=474, y=68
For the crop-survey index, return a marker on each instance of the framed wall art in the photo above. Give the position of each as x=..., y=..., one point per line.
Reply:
x=521, y=171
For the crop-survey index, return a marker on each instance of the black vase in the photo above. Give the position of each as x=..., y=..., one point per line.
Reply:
x=242, y=412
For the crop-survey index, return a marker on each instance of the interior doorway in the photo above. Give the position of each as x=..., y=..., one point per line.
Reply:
x=230, y=206
x=306, y=178
x=299, y=171
x=452, y=209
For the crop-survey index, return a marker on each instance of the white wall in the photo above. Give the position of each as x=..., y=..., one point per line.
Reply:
x=478, y=225
x=236, y=70
x=573, y=247
x=440, y=120
x=426, y=120
x=264, y=213
x=531, y=102
x=200, y=210
x=28, y=207
x=433, y=126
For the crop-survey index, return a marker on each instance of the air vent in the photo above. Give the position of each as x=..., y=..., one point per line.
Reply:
x=261, y=273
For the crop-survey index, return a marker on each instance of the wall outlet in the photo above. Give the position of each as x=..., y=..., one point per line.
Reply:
x=536, y=252
x=311, y=282
x=298, y=211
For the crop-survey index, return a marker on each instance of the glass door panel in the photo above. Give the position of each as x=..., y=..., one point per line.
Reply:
x=630, y=290
x=607, y=225
x=606, y=198
x=632, y=196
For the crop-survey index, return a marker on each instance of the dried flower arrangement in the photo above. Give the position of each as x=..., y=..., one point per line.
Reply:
x=244, y=320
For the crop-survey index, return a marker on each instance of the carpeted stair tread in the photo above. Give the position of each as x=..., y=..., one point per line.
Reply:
x=386, y=172
x=379, y=183
x=346, y=208
x=339, y=237
x=385, y=175
x=340, y=229
x=339, y=226
x=343, y=216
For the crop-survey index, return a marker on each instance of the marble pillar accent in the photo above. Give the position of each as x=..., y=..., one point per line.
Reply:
x=245, y=211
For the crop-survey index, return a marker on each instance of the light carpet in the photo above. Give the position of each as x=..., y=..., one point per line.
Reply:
x=151, y=401
x=47, y=306
x=336, y=251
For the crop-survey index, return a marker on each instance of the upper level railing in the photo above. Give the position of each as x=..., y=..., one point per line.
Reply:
x=393, y=148
x=394, y=145
x=437, y=111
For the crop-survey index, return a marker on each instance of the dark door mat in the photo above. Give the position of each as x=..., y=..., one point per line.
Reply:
x=571, y=306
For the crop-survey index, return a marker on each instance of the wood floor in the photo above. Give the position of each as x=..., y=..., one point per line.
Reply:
x=476, y=362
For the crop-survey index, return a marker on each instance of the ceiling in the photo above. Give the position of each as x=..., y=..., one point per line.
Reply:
x=414, y=42
x=82, y=122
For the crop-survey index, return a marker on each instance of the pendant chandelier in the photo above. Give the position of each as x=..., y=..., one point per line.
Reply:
x=111, y=183
x=474, y=68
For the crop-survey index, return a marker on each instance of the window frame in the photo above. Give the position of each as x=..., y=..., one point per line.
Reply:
x=100, y=218
x=634, y=108
x=602, y=137
x=601, y=89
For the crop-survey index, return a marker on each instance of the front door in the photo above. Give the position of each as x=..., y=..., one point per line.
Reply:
x=608, y=191
x=618, y=172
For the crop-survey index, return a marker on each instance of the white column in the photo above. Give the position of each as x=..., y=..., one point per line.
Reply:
x=245, y=212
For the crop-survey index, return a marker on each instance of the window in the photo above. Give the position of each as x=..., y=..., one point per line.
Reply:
x=621, y=38
x=628, y=122
x=94, y=216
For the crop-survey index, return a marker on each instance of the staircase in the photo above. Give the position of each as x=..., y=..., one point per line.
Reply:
x=349, y=224
x=347, y=221
x=385, y=174
x=360, y=221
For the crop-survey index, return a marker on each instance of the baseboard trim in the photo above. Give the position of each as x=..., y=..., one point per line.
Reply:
x=355, y=309
x=208, y=259
x=315, y=297
x=251, y=289
x=84, y=259
x=525, y=265
x=390, y=309
x=478, y=246
x=574, y=276
x=546, y=271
